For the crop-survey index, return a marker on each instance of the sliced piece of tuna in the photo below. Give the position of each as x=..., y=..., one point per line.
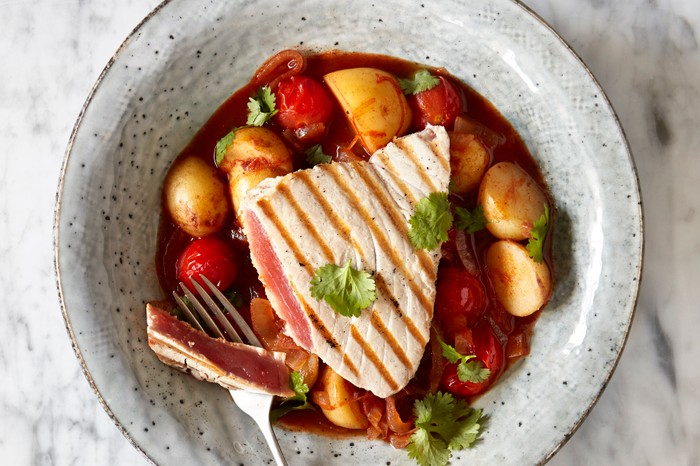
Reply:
x=231, y=365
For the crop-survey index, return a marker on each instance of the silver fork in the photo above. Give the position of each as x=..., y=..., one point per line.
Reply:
x=256, y=405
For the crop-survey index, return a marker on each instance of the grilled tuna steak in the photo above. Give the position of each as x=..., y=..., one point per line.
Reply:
x=357, y=211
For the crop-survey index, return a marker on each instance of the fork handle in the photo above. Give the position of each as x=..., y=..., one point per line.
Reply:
x=269, y=435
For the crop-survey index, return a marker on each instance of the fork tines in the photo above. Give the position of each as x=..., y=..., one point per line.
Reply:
x=224, y=329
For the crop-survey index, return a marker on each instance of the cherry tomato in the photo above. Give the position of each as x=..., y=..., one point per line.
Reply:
x=303, y=102
x=438, y=106
x=486, y=347
x=460, y=299
x=210, y=257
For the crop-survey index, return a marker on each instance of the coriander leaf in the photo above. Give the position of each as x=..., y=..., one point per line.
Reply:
x=296, y=402
x=422, y=81
x=469, y=427
x=469, y=369
x=315, y=155
x=539, y=230
x=298, y=385
x=345, y=289
x=262, y=107
x=432, y=410
x=472, y=370
x=472, y=221
x=449, y=352
x=443, y=424
x=222, y=145
x=430, y=222
x=428, y=450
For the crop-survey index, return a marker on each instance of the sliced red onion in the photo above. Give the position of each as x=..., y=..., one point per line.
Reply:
x=465, y=253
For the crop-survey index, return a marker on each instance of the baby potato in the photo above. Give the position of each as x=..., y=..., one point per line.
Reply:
x=374, y=102
x=195, y=197
x=256, y=153
x=521, y=285
x=469, y=160
x=511, y=200
x=344, y=411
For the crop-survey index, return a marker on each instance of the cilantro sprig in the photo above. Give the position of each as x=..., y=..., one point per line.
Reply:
x=443, y=424
x=471, y=222
x=347, y=290
x=262, y=107
x=431, y=221
x=421, y=81
x=296, y=402
x=535, y=244
x=315, y=155
x=469, y=368
x=222, y=146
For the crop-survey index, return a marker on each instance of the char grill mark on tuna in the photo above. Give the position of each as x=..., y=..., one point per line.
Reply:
x=281, y=291
x=355, y=211
x=306, y=221
x=396, y=180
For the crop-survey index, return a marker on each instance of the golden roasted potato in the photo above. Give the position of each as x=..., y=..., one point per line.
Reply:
x=195, y=197
x=521, y=285
x=342, y=409
x=374, y=102
x=469, y=160
x=511, y=200
x=254, y=154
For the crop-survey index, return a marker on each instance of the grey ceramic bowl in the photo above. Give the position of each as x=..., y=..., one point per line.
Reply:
x=186, y=58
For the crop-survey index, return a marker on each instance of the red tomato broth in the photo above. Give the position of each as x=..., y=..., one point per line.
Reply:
x=513, y=333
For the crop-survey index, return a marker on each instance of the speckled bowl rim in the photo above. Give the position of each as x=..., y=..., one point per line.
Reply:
x=56, y=229
x=57, y=213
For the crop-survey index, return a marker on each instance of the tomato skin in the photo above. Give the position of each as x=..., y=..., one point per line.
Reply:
x=486, y=347
x=460, y=299
x=440, y=105
x=210, y=257
x=303, y=101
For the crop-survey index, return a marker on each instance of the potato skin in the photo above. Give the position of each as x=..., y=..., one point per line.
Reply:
x=469, y=159
x=256, y=153
x=521, y=285
x=374, y=103
x=195, y=197
x=512, y=201
x=343, y=411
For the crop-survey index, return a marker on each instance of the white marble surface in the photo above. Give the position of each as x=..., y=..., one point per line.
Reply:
x=645, y=55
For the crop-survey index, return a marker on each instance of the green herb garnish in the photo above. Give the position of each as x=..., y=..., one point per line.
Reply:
x=443, y=424
x=430, y=222
x=261, y=107
x=296, y=402
x=222, y=145
x=422, y=81
x=346, y=290
x=315, y=155
x=535, y=244
x=471, y=222
x=469, y=368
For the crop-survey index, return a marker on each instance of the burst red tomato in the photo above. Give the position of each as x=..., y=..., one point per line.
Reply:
x=486, y=347
x=438, y=106
x=303, y=102
x=210, y=257
x=460, y=299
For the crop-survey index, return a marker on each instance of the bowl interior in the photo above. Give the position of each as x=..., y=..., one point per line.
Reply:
x=186, y=58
